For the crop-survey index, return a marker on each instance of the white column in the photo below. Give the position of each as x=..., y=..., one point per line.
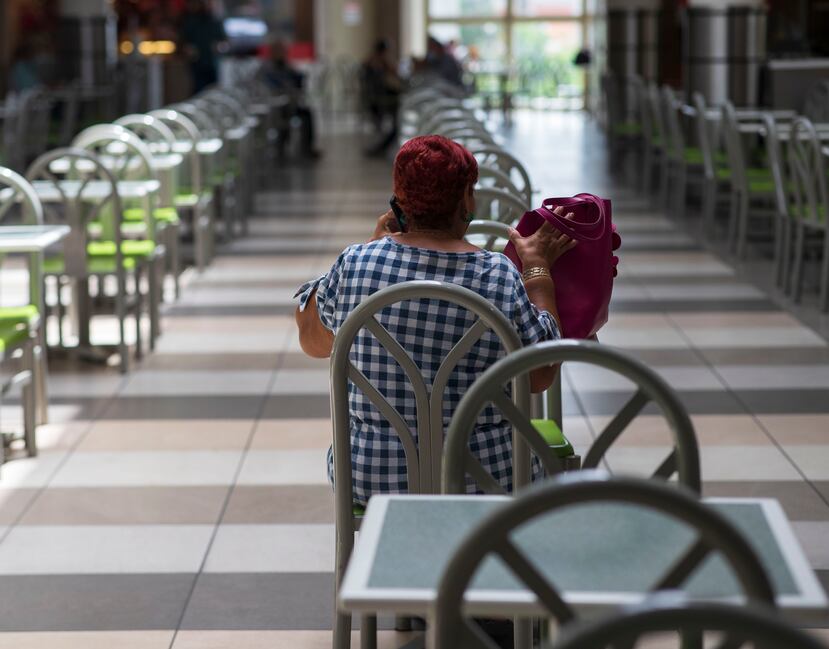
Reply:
x=412, y=28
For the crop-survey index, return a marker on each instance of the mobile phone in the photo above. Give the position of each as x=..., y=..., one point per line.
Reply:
x=398, y=213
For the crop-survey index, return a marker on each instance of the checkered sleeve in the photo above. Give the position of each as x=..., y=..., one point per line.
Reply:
x=327, y=291
x=532, y=324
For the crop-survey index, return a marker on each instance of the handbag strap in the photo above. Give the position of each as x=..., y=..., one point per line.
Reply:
x=565, y=225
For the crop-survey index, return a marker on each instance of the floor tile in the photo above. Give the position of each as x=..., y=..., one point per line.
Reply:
x=774, y=377
x=286, y=504
x=272, y=548
x=731, y=337
x=272, y=639
x=261, y=601
x=813, y=537
x=289, y=434
x=190, y=407
x=297, y=405
x=784, y=401
x=301, y=382
x=88, y=640
x=300, y=467
x=703, y=402
x=711, y=431
x=127, y=506
x=723, y=463
x=167, y=435
x=148, y=468
x=13, y=502
x=797, y=429
x=799, y=499
x=95, y=549
x=811, y=459
x=27, y=472
x=146, y=383
x=92, y=602
x=586, y=377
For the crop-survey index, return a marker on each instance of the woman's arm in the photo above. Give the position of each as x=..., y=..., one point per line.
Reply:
x=314, y=338
x=541, y=251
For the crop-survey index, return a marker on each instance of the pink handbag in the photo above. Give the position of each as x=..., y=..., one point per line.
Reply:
x=584, y=275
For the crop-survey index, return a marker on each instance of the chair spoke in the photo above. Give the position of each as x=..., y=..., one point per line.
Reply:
x=535, y=582
x=484, y=478
x=684, y=566
x=668, y=466
x=520, y=421
x=615, y=428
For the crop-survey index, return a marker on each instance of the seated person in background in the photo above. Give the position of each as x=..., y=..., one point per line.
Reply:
x=381, y=88
x=284, y=79
x=433, y=181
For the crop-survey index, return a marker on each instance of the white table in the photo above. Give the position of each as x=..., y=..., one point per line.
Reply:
x=600, y=557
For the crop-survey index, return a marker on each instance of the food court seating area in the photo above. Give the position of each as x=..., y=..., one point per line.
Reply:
x=184, y=504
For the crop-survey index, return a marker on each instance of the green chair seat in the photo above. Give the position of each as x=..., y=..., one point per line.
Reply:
x=13, y=315
x=13, y=335
x=186, y=199
x=100, y=265
x=627, y=129
x=129, y=248
x=358, y=510
x=549, y=430
x=163, y=214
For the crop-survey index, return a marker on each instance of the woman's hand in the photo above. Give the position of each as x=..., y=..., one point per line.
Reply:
x=386, y=224
x=542, y=248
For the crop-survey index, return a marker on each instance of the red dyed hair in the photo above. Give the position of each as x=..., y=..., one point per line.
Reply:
x=431, y=176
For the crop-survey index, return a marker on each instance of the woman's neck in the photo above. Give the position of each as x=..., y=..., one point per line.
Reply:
x=434, y=239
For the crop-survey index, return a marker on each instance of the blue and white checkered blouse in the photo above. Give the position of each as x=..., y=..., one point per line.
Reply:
x=427, y=330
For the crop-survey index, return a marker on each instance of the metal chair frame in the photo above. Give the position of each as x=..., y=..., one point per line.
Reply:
x=423, y=457
x=650, y=387
x=86, y=167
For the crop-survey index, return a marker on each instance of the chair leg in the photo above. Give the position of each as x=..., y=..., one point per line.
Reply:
x=742, y=226
x=29, y=411
x=797, y=271
x=786, y=260
x=174, y=250
x=368, y=632
x=342, y=621
x=41, y=377
x=139, y=312
x=824, y=273
x=155, y=274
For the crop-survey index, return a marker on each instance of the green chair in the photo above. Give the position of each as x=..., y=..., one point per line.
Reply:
x=161, y=142
x=193, y=201
x=82, y=259
x=22, y=331
x=808, y=168
x=496, y=537
x=129, y=159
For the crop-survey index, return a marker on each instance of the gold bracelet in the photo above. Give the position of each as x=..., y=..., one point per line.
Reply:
x=535, y=271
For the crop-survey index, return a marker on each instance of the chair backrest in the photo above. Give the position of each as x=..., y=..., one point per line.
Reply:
x=423, y=457
x=734, y=147
x=185, y=129
x=500, y=205
x=82, y=170
x=497, y=158
x=128, y=154
x=703, y=134
x=712, y=534
x=808, y=171
x=150, y=129
x=657, y=115
x=735, y=626
x=777, y=165
x=493, y=230
x=650, y=387
x=673, y=127
x=16, y=191
x=492, y=177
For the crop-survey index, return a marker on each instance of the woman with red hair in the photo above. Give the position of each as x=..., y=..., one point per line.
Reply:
x=434, y=180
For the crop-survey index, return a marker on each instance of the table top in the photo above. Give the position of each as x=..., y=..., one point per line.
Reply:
x=783, y=130
x=600, y=556
x=30, y=238
x=47, y=192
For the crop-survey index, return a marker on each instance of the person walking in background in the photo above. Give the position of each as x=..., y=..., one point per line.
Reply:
x=284, y=79
x=381, y=88
x=201, y=36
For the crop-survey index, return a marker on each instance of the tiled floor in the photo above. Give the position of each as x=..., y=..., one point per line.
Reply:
x=186, y=506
